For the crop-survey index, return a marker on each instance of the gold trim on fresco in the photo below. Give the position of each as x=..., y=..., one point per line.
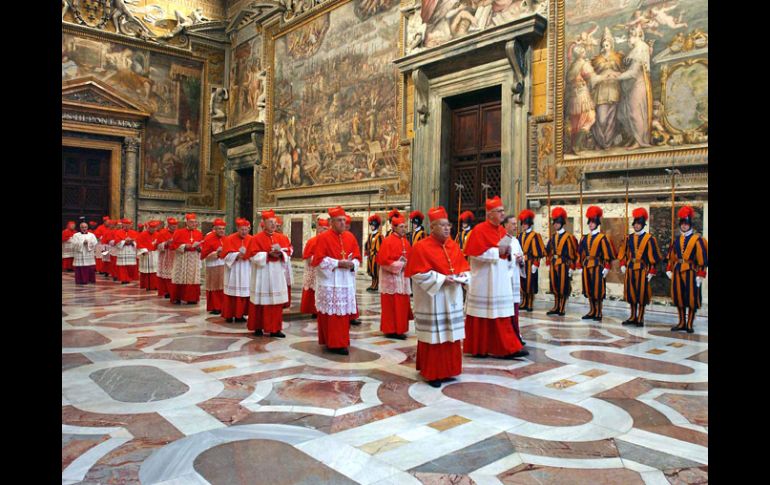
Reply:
x=270, y=34
x=666, y=71
x=68, y=28
x=604, y=162
x=205, y=125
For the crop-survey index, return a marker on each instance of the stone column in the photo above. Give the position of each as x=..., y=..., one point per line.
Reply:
x=131, y=146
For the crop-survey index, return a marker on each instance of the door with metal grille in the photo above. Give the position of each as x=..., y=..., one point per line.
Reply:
x=474, y=157
x=85, y=183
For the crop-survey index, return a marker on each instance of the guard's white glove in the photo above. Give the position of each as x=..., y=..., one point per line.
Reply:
x=698, y=281
x=669, y=274
x=569, y=273
x=623, y=269
x=649, y=276
x=534, y=269
x=604, y=272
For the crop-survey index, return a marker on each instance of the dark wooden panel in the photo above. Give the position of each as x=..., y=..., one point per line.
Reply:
x=296, y=239
x=246, y=193
x=85, y=183
x=491, y=127
x=465, y=131
x=357, y=228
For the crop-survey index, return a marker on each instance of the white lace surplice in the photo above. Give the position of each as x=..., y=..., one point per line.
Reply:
x=83, y=254
x=438, y=308
x=237, y=275
x=308, y=279
x=490, y=294
x=393, y=281
x=268, y=281
x=335, y=292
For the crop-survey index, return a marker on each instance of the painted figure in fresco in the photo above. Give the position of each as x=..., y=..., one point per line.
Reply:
x=661, y=16
x=638, y=257
x=687, y=262
x=635, y=107
x=580, y=105
x=606, y=92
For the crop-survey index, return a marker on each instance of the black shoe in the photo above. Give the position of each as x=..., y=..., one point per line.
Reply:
x=528, y=309
x=215, y=312
x=192, y=302
x=480, y=356
x=628, y=322
x=523, y=343
x=690, y=330
x=677, y=328
x=340, y=351
x=258, y=332
x=401, y=336
x=639, y=324
x=177, y=302
x=516, y=355
x=552, y=312
x=435, y=383
x=166, y=296
x=124, y=282
x=355, y=322
x=278, y=335
x=314, y=316
x=230, y=320
x=587, y=316
x=598, y=318
x=240, y=320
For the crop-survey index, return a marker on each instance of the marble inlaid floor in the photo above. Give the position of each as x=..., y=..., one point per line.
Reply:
x=160, y=394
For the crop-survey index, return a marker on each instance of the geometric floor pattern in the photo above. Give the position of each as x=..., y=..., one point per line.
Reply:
x=160, y=394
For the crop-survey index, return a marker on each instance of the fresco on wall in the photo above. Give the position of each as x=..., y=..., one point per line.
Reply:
x=436, y=22
x=334, y=101
x=246, y=81
x=170, y=88
x=636, y=76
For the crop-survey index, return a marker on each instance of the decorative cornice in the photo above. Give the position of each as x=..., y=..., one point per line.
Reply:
x=101, y=120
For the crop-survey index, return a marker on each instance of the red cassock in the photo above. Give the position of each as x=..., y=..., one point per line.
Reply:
x=396, y=306
x=307, y=305
x=441, y=360
x=214, y=297
x=334, y=330
x=268, y=318
x=105, y=239
x=285, y=243
x=148, y=281
x=494, y=336
x=66, y=263
x=99, y=232
x=190, y=292
x=163, y=235
x=234, y=306
x=126, y=273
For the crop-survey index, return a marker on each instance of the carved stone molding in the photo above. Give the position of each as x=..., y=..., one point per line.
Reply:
x=516, y=52
x=101, y=120
x=421, y=87
x=131, y=144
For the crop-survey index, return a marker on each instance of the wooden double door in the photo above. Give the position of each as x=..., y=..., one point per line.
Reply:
x=85, y=184
x=474, y=156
